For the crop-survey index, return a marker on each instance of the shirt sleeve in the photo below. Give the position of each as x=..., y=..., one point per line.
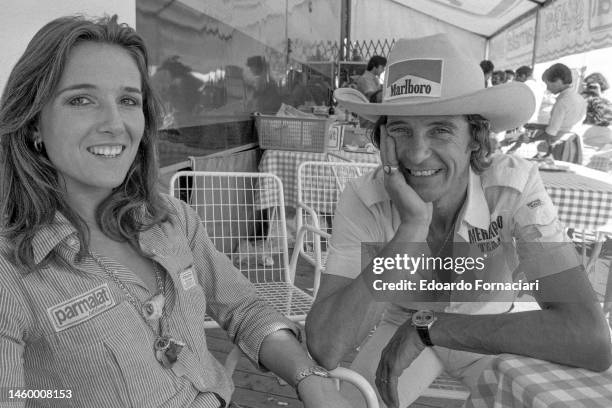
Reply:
x=14, y=321
x=543, y=247
x=230, y=298
x=354, y=224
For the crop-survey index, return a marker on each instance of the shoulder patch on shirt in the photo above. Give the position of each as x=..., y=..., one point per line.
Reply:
x=187, y=279
x=535, y=203
x=81, y=308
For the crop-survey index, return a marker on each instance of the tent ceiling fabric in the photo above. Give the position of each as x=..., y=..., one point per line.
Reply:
x=482, y=17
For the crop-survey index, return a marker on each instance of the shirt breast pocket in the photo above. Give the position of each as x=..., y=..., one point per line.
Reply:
x=115, y=348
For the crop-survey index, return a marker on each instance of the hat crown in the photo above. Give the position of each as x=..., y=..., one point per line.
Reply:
x=429, y=68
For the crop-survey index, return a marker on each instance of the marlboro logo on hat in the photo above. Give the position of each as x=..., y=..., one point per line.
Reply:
x=414, y=77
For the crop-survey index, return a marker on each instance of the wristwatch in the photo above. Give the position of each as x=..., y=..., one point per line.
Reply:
x=423, y=320
x=307, y=372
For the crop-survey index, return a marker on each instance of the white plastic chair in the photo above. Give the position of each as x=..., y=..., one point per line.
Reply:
x=230, y=206
x=320, y=185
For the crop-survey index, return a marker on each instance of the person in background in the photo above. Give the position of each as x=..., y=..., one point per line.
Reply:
x=498, y=77
x=524, y=74
x=599, y=113
x=594, y=85
x=509, y=75
x=266, y=97
x=487, y=69
x=369, y=82
x=102, y=276
x=569, y=108
x=439, y=193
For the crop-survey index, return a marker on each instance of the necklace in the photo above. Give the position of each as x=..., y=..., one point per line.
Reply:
x=165, y=347
x=452, y=230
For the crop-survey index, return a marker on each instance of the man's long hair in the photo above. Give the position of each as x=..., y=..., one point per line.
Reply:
x=30, y=186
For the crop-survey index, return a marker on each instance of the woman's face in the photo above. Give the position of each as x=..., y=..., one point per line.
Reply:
x=92, y=125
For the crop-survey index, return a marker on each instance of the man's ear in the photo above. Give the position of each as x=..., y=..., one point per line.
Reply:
x=473, y=146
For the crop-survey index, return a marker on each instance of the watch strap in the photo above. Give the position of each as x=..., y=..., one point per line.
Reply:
x=423, y=332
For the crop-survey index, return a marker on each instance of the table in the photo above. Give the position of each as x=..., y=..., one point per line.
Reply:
x=284, y=164
x=583, y=198
x=518, y=381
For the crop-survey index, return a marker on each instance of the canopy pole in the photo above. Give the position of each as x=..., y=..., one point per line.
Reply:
x=535, y=37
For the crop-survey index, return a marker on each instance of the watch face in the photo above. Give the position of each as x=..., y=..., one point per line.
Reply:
x=423, y=318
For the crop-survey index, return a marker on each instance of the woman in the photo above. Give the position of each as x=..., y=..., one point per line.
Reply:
x=104, y=281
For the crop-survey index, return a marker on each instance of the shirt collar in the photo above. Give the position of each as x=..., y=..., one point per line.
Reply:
x=50, y=235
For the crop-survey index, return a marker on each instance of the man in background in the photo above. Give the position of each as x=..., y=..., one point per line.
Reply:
x=369, y=82
x=570, y=107
x=525, y=74
x=487, y=69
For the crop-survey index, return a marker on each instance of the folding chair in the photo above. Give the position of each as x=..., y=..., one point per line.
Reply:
x=319, y=187
x=230, y=204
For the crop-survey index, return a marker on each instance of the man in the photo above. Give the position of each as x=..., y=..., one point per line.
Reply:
x=369, y=82
x=524, y=74
x=498, y=78
x=509, y=75
x=437, y=195
x=487, y=70
x=570, y=107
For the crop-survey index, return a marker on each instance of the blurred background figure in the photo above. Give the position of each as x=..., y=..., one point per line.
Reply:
x=487, y=69
x=180, y=90
x=369, y=82
x=498, y=77
x=265, y=95
x=509, y=75
x=525, y=74
x=594, y=84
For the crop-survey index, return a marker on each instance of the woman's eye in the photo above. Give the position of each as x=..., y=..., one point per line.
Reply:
x=441, y=131
x=130, y=101
x=79, y=101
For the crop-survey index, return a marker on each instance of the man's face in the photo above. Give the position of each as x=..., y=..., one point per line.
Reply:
x=433, y=153
x=379, y=70
x=520, y=78
x=555, y=86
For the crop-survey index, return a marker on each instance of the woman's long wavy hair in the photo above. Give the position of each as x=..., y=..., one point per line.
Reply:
x=480, y=129
x=30, y=186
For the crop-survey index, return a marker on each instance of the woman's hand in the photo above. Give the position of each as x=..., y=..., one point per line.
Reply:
x=412, y=209
x=403, y=348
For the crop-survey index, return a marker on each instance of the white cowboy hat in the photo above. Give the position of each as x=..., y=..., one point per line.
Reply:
x=431, y=76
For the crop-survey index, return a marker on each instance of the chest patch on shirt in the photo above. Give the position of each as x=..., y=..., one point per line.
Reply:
x=535, y=203
x=81, y=308
x=489, y=239
x=187, y=279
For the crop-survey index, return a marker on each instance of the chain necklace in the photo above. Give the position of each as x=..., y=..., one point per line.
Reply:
x=445, y=277
x=165, y=348
x=452, y=230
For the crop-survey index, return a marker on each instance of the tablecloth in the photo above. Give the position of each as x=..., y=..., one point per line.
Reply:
x=582, y=202
x=284, y=164
x=517, y=381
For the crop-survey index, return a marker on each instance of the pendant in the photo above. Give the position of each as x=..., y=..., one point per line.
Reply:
x=153, y=308
x=167, y=350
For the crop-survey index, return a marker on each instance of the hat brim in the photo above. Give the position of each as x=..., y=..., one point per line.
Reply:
x=506, y=106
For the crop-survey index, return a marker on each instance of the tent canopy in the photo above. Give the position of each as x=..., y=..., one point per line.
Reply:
x=515, y=32
x=482, y=17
